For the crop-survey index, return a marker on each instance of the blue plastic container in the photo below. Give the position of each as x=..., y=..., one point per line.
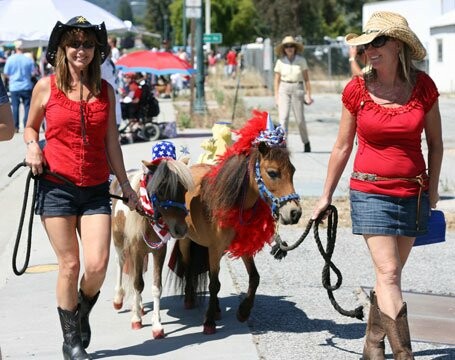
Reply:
x=436, y=230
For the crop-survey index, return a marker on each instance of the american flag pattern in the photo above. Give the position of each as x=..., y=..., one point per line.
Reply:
x=159, y=226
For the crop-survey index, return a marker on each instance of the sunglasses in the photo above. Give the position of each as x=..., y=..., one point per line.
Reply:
x=76, y=44
x=377, y=42
x=288, y=46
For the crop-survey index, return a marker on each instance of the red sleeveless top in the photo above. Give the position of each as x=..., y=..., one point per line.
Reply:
x=389, y=139
x=66, y=153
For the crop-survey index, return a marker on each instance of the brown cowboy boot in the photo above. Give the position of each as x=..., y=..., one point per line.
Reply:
x=398, y=334
x=373, y=348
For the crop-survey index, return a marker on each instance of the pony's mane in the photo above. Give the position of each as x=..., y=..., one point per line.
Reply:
x=171, y=172
x=246, y=135
x=225, y=188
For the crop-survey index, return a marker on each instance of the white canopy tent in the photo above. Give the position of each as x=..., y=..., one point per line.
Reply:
x=33, y=20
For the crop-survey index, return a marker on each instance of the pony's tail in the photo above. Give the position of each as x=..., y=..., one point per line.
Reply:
x=197, y=269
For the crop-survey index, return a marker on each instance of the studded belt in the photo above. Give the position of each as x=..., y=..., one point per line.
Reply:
x=419, y=179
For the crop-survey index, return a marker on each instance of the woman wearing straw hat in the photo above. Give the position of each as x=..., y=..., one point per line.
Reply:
x=391, y=188
x=292, y=86
x=82, y=146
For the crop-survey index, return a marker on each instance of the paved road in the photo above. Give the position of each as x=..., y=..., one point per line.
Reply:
x=292, y=318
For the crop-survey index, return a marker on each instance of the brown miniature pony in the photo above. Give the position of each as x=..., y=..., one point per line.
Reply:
x=136, y=235
x=234, y=209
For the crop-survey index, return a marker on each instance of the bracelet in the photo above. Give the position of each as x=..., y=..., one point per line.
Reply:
x=123, y=184
x=351, y=59
x=31, y=142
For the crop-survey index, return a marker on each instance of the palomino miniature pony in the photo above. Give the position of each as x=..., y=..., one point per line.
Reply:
x=234, y=209
x=162, y=193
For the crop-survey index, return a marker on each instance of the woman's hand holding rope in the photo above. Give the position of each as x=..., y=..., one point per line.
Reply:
x=34, y=158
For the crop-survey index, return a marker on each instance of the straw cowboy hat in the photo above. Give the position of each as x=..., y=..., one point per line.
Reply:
x=389, y=24
x=288, y=40
x=77, y=22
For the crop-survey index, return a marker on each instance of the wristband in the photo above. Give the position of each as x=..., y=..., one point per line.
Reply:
x=351, y=59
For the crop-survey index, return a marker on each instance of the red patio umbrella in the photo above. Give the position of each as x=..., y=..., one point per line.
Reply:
x=154, y=62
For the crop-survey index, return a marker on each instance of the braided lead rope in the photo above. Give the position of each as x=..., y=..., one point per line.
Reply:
x=280, y=249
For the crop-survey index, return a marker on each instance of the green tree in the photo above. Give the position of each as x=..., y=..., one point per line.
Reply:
x=124, y=10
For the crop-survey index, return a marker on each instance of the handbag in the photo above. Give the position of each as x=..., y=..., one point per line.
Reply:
x=436, y=230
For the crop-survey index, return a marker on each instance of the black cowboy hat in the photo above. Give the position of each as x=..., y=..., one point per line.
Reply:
x=77, y=22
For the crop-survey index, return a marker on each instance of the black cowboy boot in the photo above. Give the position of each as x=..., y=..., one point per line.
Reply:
x=374, y=337
x=72, y=345
x=86, y=305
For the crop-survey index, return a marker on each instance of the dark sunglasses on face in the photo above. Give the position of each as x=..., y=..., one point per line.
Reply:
x=377, y=42
x=288, y=46
x=76, y=44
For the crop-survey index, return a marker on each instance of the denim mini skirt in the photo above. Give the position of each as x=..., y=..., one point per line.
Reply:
x=377, y=214
x=54, y=199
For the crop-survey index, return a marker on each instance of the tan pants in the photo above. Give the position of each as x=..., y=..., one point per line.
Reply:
x=291, y=96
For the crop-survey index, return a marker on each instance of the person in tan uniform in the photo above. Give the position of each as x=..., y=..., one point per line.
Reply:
x=292, y=86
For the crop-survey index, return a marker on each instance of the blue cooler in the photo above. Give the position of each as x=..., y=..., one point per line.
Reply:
x=436, y=230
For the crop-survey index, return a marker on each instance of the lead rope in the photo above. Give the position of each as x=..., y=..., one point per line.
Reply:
x=280, y=249
x=30, y=176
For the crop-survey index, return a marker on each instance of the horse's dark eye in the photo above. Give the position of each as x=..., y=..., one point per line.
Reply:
x=273, y=174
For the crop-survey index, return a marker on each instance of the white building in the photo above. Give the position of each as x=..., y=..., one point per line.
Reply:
x=433, y=21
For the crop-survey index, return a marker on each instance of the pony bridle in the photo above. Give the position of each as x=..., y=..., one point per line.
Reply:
x=273, y=137
x=275, y=202
x=165, y=204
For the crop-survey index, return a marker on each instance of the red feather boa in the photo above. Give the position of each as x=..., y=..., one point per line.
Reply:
x=253, y=227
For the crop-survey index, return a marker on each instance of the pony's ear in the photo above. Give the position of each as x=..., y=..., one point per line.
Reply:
x=263, y=148
x=148, y=166
x=185, y=160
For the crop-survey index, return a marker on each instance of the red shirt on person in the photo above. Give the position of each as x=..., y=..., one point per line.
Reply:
x=389, y=139
x=231, y=57
x=84, y=164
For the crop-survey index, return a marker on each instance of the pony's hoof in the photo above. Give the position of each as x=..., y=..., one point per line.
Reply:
x=209, y=329
x=242, y=318
x=118, y=306
x=136, y=325
x=158, y=334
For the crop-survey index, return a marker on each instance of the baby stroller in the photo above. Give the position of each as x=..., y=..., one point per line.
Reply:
x=138, y=117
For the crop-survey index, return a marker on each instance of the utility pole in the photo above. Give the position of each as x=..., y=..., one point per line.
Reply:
x=199, y=106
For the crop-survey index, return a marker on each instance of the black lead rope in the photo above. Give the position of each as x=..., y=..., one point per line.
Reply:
x=280, y=249
x=30, y=176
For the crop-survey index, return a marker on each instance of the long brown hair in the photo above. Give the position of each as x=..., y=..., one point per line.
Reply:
x=62, y=73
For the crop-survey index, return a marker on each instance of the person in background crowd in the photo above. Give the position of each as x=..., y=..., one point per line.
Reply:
x=6, y=116
x=19, y=69
x=115, y=52
x=231, y=61
x=109, y=73
x=82, y=146
x=211, y=60
x=130, y=95
x=356, y=56
x=391, y=192
x=292, y=86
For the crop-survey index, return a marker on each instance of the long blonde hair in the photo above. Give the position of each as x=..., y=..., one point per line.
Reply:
x=62, y=73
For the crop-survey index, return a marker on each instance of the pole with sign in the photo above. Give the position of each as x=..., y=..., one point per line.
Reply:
x=194, y=11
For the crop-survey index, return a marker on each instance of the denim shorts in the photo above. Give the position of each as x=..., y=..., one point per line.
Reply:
x=54, y=199
x=377, y=214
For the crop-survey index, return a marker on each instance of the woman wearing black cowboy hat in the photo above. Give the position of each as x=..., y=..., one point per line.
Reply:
x=82, y=146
